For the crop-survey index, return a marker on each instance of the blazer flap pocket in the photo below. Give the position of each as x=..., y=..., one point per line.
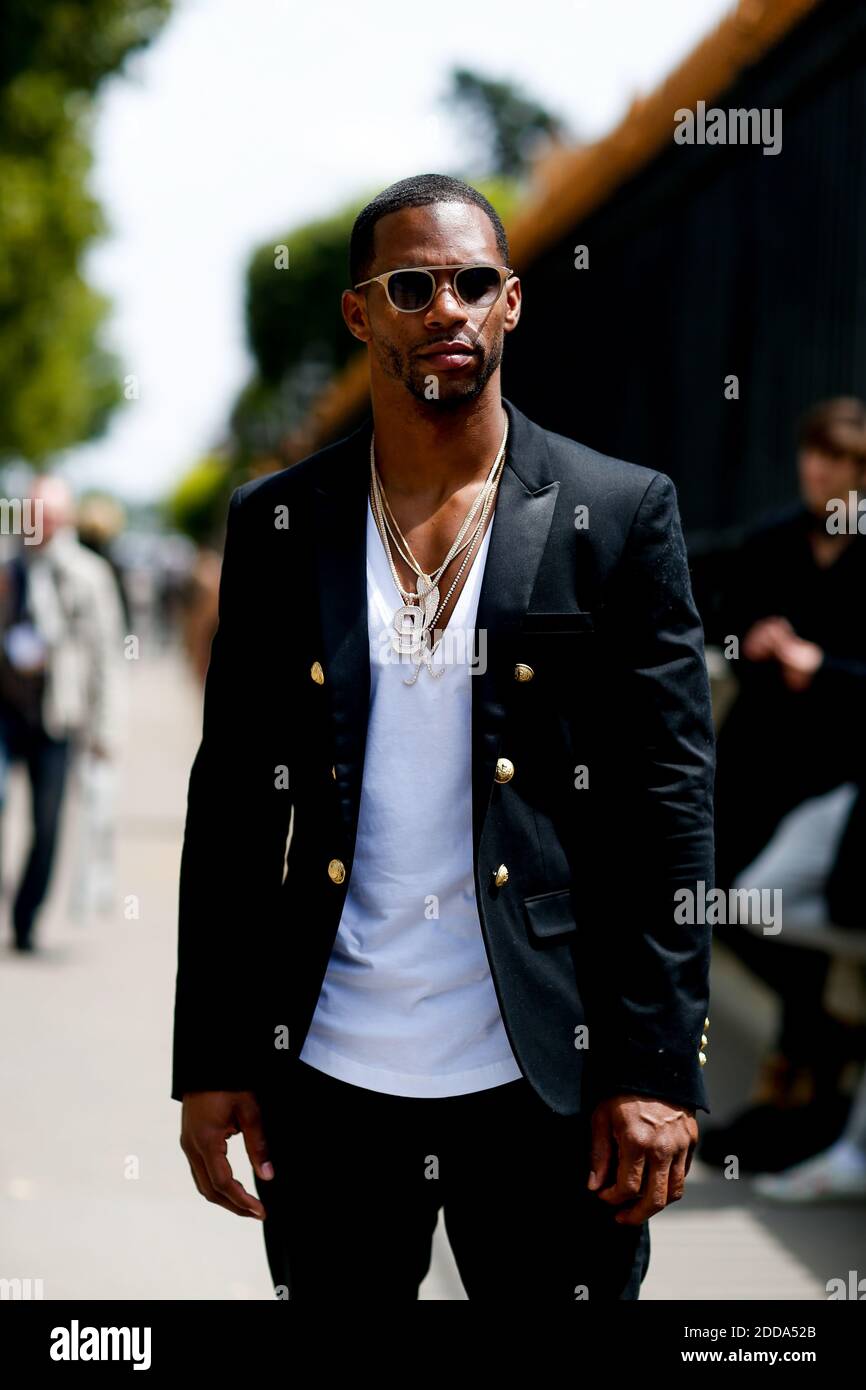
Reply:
x=550, y=914
x=557, y=622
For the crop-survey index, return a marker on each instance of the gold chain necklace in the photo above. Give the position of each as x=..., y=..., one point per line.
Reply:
x=413, y=624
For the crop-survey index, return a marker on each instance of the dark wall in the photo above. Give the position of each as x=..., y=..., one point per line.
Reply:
x=716, y=260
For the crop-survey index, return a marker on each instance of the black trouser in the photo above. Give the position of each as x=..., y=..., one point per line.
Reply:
x=765, y=768
x=47, y=762
x=360, y=1177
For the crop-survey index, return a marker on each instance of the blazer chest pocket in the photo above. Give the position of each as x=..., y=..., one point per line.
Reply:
x=554, y=623
x=560, y=649
x=550, y=914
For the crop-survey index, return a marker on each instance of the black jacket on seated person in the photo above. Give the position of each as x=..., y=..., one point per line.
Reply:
x=779, y=747
x=596, y=605
x=775, y=574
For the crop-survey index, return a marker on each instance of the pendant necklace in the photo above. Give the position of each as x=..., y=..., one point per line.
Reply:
x=416, y=617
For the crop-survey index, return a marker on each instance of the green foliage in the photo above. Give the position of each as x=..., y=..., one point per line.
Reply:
x=57, y=383
x=504, y=123
x=293, y=312
x=201, y=499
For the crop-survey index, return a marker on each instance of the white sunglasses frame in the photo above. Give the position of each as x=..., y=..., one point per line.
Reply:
x=505, y=274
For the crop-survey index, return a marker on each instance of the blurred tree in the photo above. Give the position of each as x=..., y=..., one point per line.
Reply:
x=293, y=297
x=505, y=125
x=198, y=505
x=57, y=384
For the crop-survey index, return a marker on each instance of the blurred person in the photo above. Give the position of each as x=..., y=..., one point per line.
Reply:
x=411, y=988
x=142, y=558
x=796, y=1106
x=836, y=1173
x=200, y=608
x=182, y=581
x=774, y=748
x=99, y=521
x=60, y=636
x=834, y=822
x=779, y=746
x=776, y=1131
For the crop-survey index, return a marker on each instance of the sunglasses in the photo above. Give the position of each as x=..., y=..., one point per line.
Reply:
x=413, y=288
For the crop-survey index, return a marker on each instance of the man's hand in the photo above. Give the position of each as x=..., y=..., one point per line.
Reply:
x=774, y=639
x=209, y=1117
x=650, y=1144
x=763, y=639
x=799, y=661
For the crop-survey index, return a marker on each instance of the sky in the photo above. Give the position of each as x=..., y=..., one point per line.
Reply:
x=248, y=117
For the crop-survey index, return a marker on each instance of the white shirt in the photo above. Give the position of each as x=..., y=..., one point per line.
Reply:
x=408, y=1005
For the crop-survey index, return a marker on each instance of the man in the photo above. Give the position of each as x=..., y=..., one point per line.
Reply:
x=61, y=629
x=799, y=575
x=473, y=954
x=796, y=604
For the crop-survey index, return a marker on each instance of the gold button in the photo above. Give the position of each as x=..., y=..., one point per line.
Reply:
x=500, y=876
x=337, y=870
x=706, y=1023
x=703, y=1039
x=317, y=673
x=334, y=773
x=523, y=672
x=702, y=1058
x=504, y=770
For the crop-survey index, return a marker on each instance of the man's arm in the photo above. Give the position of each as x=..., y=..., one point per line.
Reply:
x=216, y=985
x=215, y=977
x=660, y=997
x=646, y=1048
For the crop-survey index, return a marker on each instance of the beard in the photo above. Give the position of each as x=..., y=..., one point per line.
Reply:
x=459, y=390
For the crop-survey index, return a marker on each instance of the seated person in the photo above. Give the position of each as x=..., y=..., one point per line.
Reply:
x=793, y=577
x=812, y=860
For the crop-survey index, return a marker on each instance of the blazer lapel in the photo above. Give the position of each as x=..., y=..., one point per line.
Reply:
x=518, y=534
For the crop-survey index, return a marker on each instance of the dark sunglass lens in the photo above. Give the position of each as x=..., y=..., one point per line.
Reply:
x=410, y=289
x=477, y=284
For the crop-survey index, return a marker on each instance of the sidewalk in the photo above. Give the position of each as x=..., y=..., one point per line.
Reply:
x=96, y=1198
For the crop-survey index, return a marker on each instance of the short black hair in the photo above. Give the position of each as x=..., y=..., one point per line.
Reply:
x=416, y=192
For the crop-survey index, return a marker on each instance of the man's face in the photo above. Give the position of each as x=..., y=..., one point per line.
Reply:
x=824, y=476
x=53, y=499
x=401, y=343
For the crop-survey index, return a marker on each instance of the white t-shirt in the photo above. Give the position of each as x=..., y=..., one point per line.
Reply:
x=408, y=1005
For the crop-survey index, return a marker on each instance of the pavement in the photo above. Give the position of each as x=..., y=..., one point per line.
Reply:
x=96, y=1199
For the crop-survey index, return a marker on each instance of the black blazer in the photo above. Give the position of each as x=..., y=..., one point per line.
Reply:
x=582, y=934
